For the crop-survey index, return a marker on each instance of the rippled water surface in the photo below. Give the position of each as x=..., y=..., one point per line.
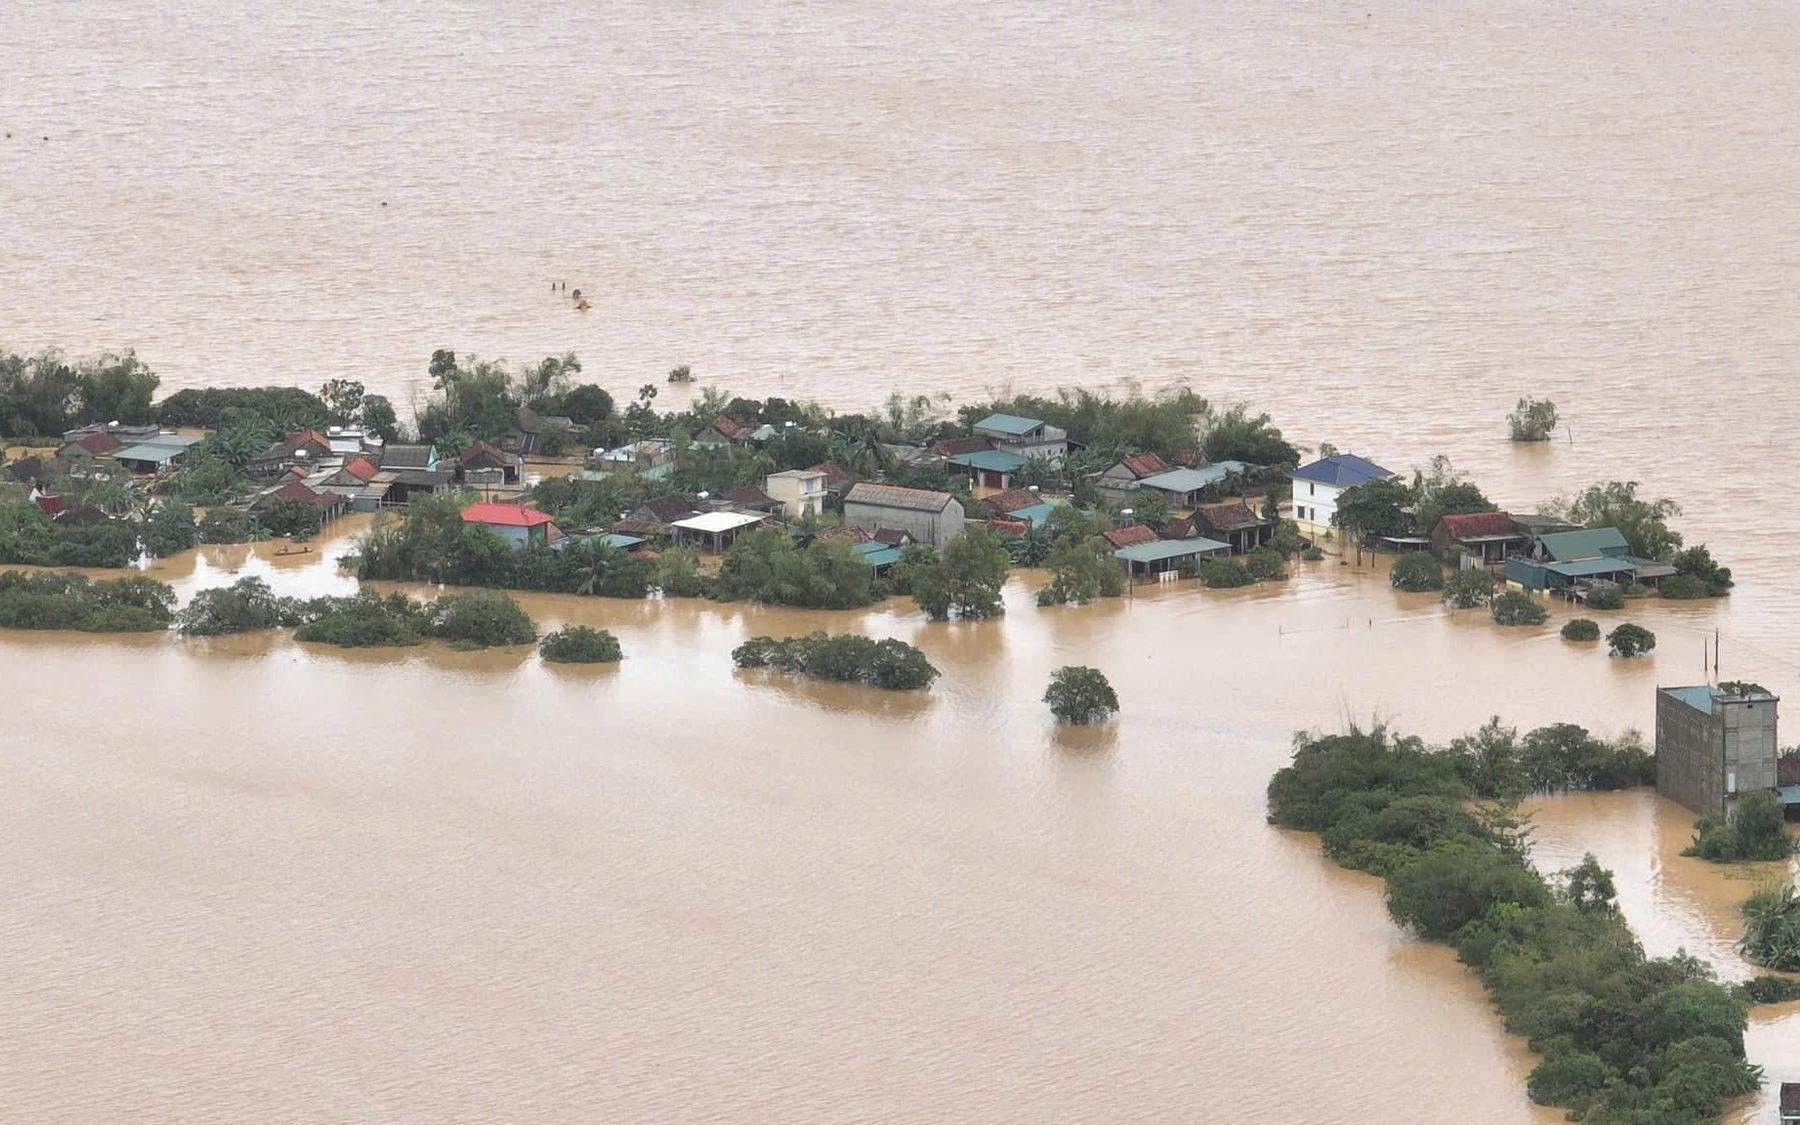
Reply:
x=254, y=881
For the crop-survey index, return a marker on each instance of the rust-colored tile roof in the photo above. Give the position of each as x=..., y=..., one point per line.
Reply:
x=892, y=536
x=1014, y=528
x=835, y=474
x=893, y=496
x=504, y=515
x=362, y=469
x=1181, y=527
x=668, y=509
x=854, y=534
x=1012, y=500
x=1127, y=536
x=1229, y=517
x=1479, y=525
x=1188, y=459
x=749, y=496
x=731, y=429
x=99, y=443
x=1146, y=465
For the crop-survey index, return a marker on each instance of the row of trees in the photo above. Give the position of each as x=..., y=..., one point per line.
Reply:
x=1624, y=1038
x=73, y=601
x=889, y=664
x=45, y=394
x=365, y=619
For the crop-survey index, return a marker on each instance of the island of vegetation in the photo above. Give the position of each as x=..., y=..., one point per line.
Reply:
x=477, y=619
x=580, y=644
x=890, y=664
x=1626, y=1039
x=1079, y=695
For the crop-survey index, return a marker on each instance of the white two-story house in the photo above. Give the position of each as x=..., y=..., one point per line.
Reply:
x=800, y=491
x=1317, y=487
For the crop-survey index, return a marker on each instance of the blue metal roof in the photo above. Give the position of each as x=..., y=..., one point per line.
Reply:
x=1790, y=794
x=1008, y=424
x=614, y=539
x=1034, y=515
x=992, y=460
x=1699, y=698
x=1192, y=480
x=1587, y=568
x=1170, y=549
x=1342, y=469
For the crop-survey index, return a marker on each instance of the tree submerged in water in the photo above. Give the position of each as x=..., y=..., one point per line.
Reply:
x=1533, y=420
x=1078, y=695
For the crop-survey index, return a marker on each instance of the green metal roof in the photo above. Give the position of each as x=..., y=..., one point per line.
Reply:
x=876, y=554
x=1565, y=546
x=1587, y=568
x=1192, y=480
x=614, y=539
x=1034, y=515
x=1008, y=424
x=1170, y=549
x=992, y=460
x=1699, y=698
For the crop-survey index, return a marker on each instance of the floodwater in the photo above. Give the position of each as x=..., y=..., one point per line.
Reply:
x=256, y=881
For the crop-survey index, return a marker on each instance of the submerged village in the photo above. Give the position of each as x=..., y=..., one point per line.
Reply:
x=535, y=480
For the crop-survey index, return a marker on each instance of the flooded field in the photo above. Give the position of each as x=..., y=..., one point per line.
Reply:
x=258, y=881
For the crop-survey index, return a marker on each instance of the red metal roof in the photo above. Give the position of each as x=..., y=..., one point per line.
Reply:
x=1013, y=500
x=504, y=515
x=1146, y=465
x=1480, y=525
x=1126, y=536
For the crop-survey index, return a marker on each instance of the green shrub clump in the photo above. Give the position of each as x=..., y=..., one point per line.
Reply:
x=1469, y=588
x=1625, y=1038
x=1312, y=554
x=246, y=605
x=1756, y=829
x=1604, y=596
x=1581, y=629
x=480, y=619
x=848, y=658
x=1514, y=608
x=72, y=601
x=1266, y=564
x=1416, y=571
x=364, y=620
x=1224, y=574
x=578, y=644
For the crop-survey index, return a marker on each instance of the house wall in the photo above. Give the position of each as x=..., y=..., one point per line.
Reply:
x=934, y=528
x=1314, y=505
x=515, y=536
x=1750, y=747
x=1690, y=756
x=799, y=497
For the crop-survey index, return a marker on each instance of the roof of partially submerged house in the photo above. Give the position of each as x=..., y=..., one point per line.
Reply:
x=854, y=534
x=406, y=457
x=1009, y=424
x=1568, y=546
x=990, y=460
x=876, y=554
x=504, y=515
x=99, y=443
x=1126, y=536
x=893, y=496
x=749, y=496
x=716, y=523
x=481, y=451
x=1482, y=525
x=1145, y=465
x=361, y=468
x=957, y=446
x=835, y=474
x=1159, y=549
x=1234, y=516
x=1192, y=480
x=668, y=509
x=735, y=430
x=1345, y=470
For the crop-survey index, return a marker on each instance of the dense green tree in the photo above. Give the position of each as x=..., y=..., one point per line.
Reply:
x=292, y=518
x=1416, y=571
x=579, y=644
x=1375, y=509
x=1696, y=576
x=1224, y=574
x=767, y=566
x=891, y=665
x=72, y=601
x=1078, y=695
x=1469, y=588
x=1081, y=571
x=1755, y=830
x=226, y=525
x=168, y=530
x=967, y=579
x=1644, y=523
x=1772, y=927
x=247, y=605
x=282, y=408
x=377, y=415
x=343, y=399
x=1455, y=884
x=1266, y=564
x=1604, y=596
x=480, y=618
x=1534, y=419
x=1237, y=435
x=1630, y=640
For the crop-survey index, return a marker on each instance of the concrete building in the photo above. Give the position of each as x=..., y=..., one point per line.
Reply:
x=801, y=492
x=1317, y=487
x=930, y=517
x=1712, y=744
x=1023, y=437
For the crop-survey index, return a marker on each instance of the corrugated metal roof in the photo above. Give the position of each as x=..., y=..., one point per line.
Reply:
x=1126, y=536
x=1192, y=480
x=1171, y=549
x=614, y=539
x=1565, y=546
x=1344, y=470
x=876, y=554
x=504, y=515
x=893, y=496
x=1481, y=525
x=1587, y=568
x=992, y=460
x=713, y=523
x=1010, y=424
x=1036, y=515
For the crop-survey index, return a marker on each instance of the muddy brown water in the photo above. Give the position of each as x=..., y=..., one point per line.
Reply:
x=257, y=881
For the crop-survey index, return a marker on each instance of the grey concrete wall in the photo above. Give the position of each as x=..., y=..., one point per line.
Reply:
x=1750, y=743
x=1690, y=763
x=935, y=528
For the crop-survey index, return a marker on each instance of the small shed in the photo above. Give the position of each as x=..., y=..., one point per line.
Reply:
x=1144, y=562
x=715, y=532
